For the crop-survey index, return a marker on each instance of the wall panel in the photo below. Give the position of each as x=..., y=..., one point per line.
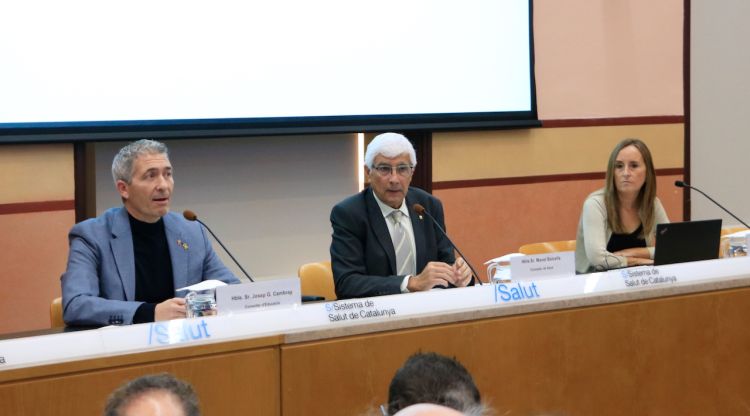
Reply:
x=34, y=173
x=36, y=213
x=267, y=198
x=234, y=383
x=603, y=58
x=33, y=252
x=685, y=355
x=719, y=91
x=546, y=151
x=487, y=222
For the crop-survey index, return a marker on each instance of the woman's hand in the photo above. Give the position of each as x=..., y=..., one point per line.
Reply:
x=637, y=261
x=637, y=252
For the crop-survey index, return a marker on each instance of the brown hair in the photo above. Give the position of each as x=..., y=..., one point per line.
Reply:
x=180, y=390
x=646, y=196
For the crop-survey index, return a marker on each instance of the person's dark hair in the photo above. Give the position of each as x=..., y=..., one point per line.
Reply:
x=165, y=382
x=433, y=378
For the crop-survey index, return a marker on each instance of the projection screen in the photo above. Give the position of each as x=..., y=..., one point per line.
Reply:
x=101, y=70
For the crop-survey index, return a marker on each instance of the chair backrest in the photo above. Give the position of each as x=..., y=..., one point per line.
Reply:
x=316, y=279
x=548, y=247
x=56, y=313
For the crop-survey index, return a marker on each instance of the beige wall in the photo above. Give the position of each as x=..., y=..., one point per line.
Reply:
x=608, y=58
x=490, y=221
x=594, y=58
x=719, y=91
x=267, y=198
x=36, y=173
x=33, y=245
x=546, y=151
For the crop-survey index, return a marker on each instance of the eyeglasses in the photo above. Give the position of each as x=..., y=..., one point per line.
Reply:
x=403, y=171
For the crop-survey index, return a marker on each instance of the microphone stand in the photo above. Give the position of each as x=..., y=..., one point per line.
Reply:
x=682, y=184
x=190, y=216
x=423, y=211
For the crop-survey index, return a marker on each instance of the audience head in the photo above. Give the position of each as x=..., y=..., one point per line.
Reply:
x=389, y=163
x=630, y=174
x=143, y=177
x=153, y=395
x=428, y=409
x=436, y=379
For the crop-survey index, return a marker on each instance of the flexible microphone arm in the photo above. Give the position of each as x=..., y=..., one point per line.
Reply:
x=681, y=184
x=420, y=210
x=190, y=216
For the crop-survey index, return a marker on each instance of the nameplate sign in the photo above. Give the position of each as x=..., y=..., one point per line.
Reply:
x=361, y=309
x=549, y=289
x=259, y=295
x=177, y=331
x=648, y=276
x=20, y=352
x=542, y=266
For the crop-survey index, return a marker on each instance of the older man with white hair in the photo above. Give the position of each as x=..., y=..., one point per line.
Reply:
x=380, y=245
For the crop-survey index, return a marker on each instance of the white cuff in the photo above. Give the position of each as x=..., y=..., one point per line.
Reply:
x=405, y=284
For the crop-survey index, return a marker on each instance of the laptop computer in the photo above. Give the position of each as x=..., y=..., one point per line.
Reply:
x=680, y=242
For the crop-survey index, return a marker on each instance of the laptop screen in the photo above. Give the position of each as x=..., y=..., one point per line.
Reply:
x=680, y=242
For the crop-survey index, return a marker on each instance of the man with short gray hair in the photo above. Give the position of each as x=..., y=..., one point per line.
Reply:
x=125, y=265
x=380, y=244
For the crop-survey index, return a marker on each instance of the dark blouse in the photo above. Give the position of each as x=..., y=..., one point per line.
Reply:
x=619, y=242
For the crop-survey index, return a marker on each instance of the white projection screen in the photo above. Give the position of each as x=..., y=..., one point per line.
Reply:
x=100, y=69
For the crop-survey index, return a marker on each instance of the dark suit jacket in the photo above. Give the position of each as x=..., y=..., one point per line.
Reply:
x=362, y=254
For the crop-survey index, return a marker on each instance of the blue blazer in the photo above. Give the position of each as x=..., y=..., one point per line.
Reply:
x=362, y=254
x=99, y=282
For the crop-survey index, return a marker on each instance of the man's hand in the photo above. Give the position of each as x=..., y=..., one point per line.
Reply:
x=434, y=274
x=170, y=309
x=462, y=272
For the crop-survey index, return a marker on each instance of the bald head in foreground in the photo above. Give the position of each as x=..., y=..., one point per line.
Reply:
x=428, y=409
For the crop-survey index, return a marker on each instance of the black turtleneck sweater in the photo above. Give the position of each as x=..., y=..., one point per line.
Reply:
x=153, y=267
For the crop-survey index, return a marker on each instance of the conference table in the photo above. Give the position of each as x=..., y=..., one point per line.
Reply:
x=664, y=340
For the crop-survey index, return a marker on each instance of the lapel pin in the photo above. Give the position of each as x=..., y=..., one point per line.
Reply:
x=182, y=244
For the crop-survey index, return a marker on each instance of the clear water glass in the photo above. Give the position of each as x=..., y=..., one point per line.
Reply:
x=200, y=303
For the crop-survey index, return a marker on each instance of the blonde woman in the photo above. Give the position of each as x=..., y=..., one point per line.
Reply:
x=618, y=223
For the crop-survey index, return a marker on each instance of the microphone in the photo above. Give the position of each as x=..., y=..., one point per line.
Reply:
x=420, y=210
x=681, y=184
x=190, y=216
